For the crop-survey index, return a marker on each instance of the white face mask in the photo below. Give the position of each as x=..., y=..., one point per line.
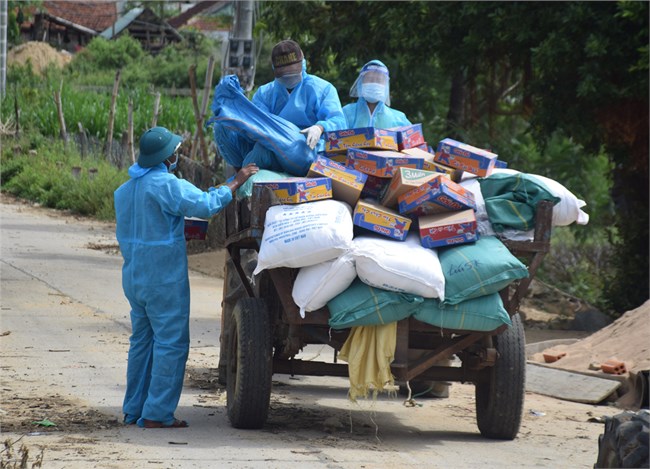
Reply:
x=289, y=81
x=373, y=92
x=172, y=166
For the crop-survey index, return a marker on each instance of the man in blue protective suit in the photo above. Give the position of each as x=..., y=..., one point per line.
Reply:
x=372, y=109
x=150, y=209
x=305, y=100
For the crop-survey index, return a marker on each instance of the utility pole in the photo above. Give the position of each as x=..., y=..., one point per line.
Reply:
x=239, y=56
x=3, y=47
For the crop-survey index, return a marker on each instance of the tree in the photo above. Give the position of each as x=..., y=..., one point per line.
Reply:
x=505, y=71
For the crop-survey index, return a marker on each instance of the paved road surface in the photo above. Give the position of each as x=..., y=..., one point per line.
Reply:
x=65, y=335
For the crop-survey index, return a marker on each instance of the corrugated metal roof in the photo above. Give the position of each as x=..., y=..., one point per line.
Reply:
x=121, y=23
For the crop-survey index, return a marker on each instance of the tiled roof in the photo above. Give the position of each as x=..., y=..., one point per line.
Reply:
x=93, y=14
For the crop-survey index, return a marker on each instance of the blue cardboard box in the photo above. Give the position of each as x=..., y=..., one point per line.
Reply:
x=409, y=136
x=296, y=190
x=381, y=163
x=466, y=157
x=448, y=229
x=364, y=137
x=437, y=195
x=381, y=220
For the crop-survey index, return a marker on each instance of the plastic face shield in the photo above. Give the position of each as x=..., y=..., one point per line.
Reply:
x=372, y=73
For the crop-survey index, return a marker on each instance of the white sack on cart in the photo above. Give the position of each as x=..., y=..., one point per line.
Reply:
x=304, y=234
x=401, y=266
x=317, y=284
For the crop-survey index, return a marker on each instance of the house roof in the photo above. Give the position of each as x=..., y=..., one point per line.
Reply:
x=206, y=6
x=96, y=15
x=142, y=19
x=114, y=29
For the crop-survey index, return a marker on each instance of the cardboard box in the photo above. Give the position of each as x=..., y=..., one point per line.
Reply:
x=430, y=165
x=347, y=183
x=297, y=190
x=500, y=164
x=404, y=180
x=409, y=136
x=381, y=163
x=379, y=219
x=339, y=157
x=365, y=137
x=195, y=228
x=446, y=229
x=437, y=195
x=466, y=157
x=374, y=187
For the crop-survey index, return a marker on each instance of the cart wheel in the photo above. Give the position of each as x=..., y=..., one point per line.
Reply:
x=249, y=365
x=233, y=291
x=500, y=397
x=625, y=441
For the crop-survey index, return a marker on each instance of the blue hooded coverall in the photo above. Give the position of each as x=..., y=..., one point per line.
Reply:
x=313, y=101
x=150, y=210
x=357, y=115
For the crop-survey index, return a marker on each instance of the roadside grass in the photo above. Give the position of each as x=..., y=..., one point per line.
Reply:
x=56, y=176
x=12, y=458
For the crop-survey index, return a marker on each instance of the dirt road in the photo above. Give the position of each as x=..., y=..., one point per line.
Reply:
x=64, y=338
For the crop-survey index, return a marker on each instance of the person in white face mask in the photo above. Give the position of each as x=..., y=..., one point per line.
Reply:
x=372, y=109
x=305, y=100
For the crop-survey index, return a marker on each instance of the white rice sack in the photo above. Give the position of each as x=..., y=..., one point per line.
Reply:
x=304, y=234
x=316, y=284
x=568, y=210
x=401, y=266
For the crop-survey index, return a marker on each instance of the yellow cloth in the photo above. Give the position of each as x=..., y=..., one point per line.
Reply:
x=369, y=351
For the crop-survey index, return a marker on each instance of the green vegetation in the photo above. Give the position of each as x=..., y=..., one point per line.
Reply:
x=55, y=175
x=558, y=90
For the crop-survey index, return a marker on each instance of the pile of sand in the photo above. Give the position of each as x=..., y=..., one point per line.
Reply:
x=39, y=54
x=626, y=340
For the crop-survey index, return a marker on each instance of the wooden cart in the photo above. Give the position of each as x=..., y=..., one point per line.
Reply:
x=262, y=332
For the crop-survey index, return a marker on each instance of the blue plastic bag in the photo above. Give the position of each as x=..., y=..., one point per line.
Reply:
x=246, y=134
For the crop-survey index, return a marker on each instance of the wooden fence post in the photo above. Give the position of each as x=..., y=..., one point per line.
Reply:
x=111, y=115
x=197, y=115
x=129, y=142
x=17, y=112
x=156, y=106
x=59, y=111
x=84, y=140
x=204, y=100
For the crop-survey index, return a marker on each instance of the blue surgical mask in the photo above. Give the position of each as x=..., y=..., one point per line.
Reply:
x=373, y=92
x=289, y=81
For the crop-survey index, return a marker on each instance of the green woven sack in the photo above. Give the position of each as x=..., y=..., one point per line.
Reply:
x=484, y=313
x=363, y=305
x=511, y=200
x=478, y=269
x=246, y=189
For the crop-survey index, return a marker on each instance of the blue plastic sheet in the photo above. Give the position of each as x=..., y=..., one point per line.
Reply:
x=246, y=134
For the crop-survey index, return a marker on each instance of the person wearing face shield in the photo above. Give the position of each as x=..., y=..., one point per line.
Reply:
x=372, y=109
x=150, y=209
x=305, y=100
